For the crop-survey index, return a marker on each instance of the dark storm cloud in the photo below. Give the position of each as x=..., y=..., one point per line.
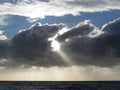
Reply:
x=103, y=50
x=32, y=47
x=112, y=27
x=82, y=29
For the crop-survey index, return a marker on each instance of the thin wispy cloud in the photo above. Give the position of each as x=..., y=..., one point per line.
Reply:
x=40, y=8
x=2, y=20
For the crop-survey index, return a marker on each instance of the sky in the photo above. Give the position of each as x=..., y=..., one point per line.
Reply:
x=59, y=40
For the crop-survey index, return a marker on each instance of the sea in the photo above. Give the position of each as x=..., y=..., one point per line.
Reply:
x=59, y=85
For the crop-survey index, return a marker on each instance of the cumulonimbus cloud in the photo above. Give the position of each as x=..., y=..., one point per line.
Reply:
x=83, y=44
x=42, y=8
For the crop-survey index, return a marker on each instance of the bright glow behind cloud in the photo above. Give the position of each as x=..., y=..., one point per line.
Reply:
x=55, y=45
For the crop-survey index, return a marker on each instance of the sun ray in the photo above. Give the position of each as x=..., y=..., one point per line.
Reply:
x=56, y=47
x=65, y=57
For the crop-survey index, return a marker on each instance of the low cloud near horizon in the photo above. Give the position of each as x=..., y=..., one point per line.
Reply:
x=74, y=73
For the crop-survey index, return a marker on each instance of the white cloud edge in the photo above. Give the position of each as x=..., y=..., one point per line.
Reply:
x=2, y=36
x=110, y=22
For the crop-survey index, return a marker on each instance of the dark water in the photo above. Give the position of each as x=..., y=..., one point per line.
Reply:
x=43, y=85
